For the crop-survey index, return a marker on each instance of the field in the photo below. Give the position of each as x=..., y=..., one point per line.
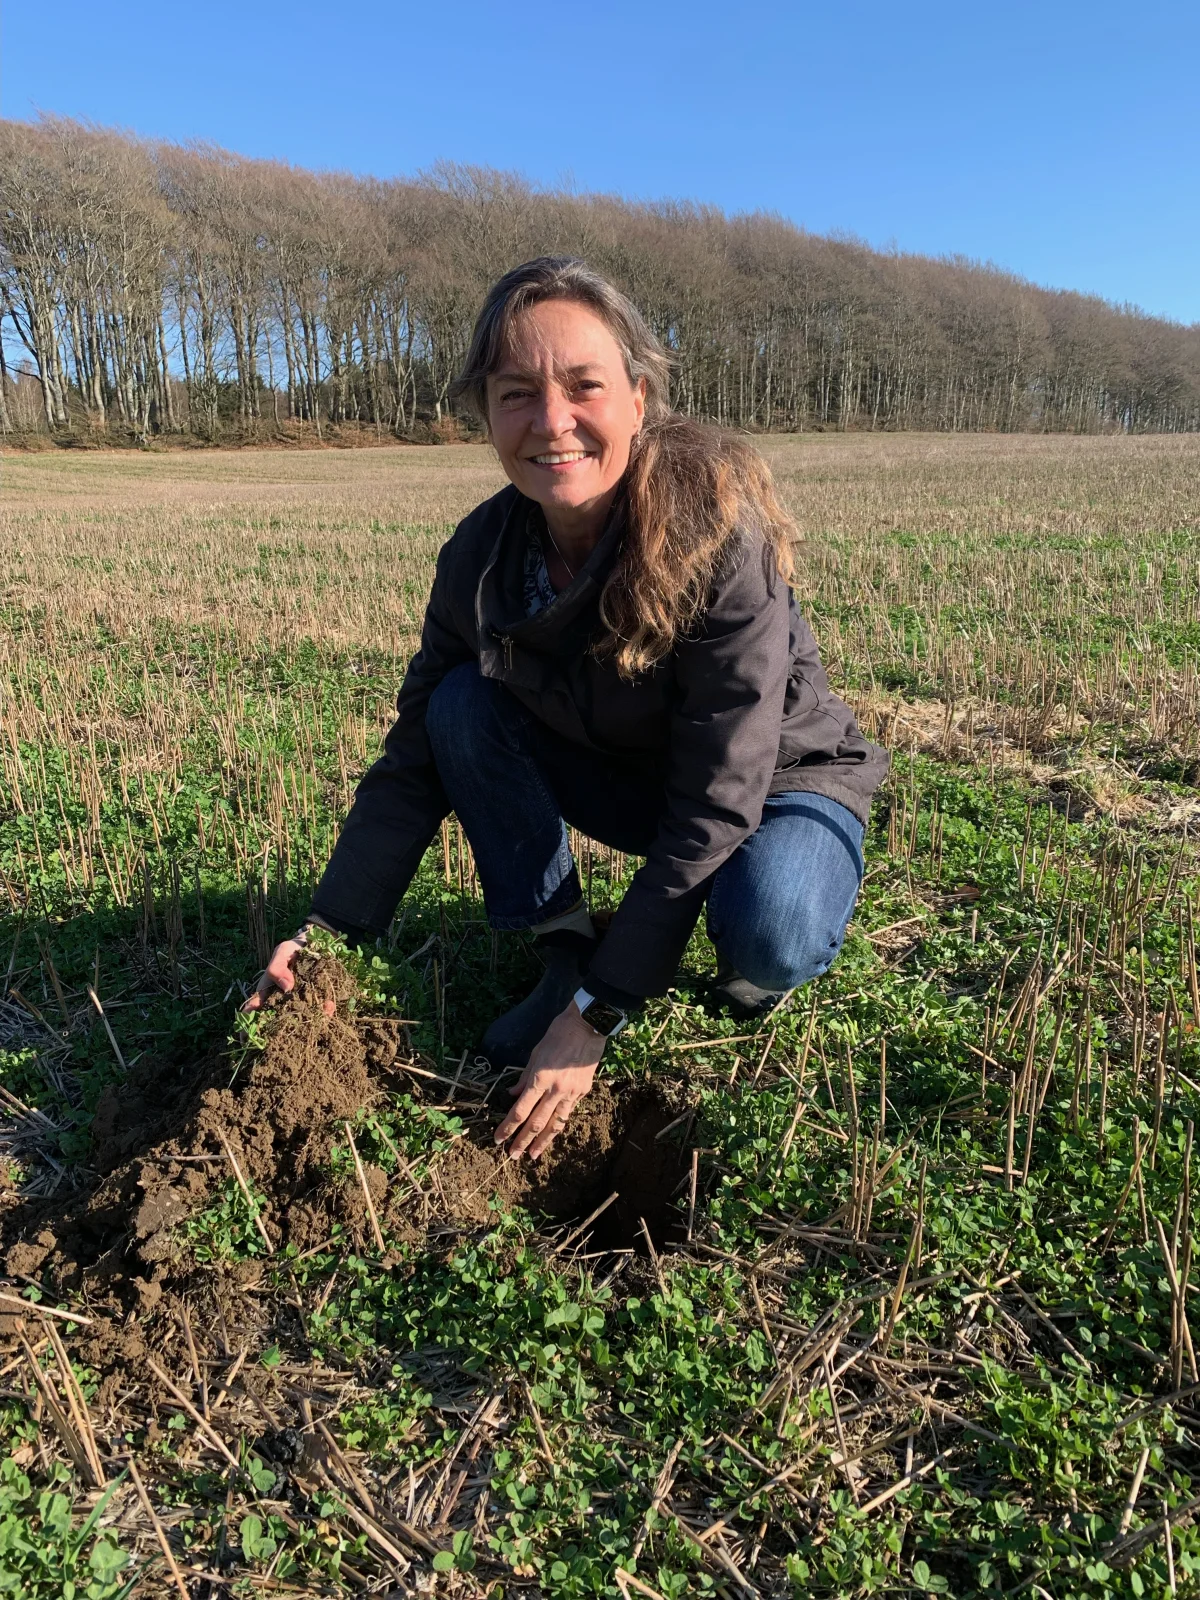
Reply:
x=900, y=1301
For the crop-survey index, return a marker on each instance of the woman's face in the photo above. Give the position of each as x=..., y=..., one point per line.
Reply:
x=562, y=412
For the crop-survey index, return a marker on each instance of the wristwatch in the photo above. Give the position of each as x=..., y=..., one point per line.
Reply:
x=600, y=1017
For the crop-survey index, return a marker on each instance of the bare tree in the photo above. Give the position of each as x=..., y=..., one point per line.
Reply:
x=154, y=288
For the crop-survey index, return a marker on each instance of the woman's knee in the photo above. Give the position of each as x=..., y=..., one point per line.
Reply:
x=461, y=711
x=779, y=954
x=779, y=907
x=780, y=930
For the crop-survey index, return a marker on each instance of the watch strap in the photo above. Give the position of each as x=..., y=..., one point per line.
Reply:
x=604, y=1019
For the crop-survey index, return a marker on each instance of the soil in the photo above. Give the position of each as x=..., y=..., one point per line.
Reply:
x=163, y=1150
x=609, y=1144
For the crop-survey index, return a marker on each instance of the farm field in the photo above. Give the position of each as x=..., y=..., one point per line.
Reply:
x=901, y=1300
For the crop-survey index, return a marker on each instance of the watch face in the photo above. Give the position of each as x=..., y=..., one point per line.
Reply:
x=602, y=1017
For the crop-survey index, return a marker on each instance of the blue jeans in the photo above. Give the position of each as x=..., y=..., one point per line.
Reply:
x=777, y=909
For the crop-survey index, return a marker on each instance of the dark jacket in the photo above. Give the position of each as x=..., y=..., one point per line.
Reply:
x=740, y=709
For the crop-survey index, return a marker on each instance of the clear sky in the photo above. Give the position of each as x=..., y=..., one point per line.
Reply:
x=1057, y=138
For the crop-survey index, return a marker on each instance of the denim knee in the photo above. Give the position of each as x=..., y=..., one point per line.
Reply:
x=773, y=957
x=778, y=908
x=462, y=712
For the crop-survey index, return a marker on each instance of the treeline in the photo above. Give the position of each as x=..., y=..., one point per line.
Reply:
x=152, y=289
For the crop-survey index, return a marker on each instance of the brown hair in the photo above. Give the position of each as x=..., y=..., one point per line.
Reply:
x=690, y=487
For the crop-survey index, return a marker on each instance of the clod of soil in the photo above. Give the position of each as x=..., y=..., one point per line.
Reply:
x=166, y=1151
x=275, y=1126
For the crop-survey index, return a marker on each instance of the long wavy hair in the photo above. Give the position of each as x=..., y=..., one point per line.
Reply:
x=692, y=490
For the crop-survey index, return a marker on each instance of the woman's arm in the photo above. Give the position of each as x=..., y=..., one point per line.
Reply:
x=400, y=802
x=731, y=679
x=397, y=808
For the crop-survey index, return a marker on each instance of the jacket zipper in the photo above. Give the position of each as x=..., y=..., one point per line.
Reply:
x=506, y=645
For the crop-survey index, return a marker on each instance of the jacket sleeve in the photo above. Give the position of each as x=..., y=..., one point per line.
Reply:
x=400, y=802
x=730, y=681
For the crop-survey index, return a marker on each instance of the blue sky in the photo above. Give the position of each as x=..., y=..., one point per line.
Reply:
x=1059, y=140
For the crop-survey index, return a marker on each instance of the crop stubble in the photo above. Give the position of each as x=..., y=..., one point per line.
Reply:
x=199, y=655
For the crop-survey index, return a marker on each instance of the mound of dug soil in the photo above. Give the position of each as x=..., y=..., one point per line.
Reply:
x=165, y=1157
x=273, y=1128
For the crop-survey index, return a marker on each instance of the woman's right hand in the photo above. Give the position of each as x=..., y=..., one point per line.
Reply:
x=278, y=975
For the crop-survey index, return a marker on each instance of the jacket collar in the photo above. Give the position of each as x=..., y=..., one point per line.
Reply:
x=500, y=598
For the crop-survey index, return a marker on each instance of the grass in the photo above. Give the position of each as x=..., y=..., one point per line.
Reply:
x=934, y=1329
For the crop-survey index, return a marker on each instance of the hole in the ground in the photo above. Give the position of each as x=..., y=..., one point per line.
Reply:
x=609, y=1144
x=646, y=1173
x=621, y=1152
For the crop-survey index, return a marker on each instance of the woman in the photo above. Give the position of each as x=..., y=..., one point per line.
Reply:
x=611, y=642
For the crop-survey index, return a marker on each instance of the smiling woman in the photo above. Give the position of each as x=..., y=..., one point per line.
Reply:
x=563, y=414
x=611, y=642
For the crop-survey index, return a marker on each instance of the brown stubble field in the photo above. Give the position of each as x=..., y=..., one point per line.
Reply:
x=930, y=1325
x=1041, y=586
x=144, y=535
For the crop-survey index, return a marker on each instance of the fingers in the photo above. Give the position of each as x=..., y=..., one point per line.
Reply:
x=279, y=975
x=279, y=968
x=541, y=1112
x=523, y=1081
x=541, y=1124
x=546, y=1092
x=261, y=990
x=553, y=1128
x=527, y=1100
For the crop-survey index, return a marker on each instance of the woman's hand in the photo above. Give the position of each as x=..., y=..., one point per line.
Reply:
x=559, y=1073
x=278, y=975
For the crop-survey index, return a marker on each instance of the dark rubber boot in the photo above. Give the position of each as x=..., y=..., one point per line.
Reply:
x=741, y=998
x=510, y=1040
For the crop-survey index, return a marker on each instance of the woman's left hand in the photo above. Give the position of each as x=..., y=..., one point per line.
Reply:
x=559, y=1074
